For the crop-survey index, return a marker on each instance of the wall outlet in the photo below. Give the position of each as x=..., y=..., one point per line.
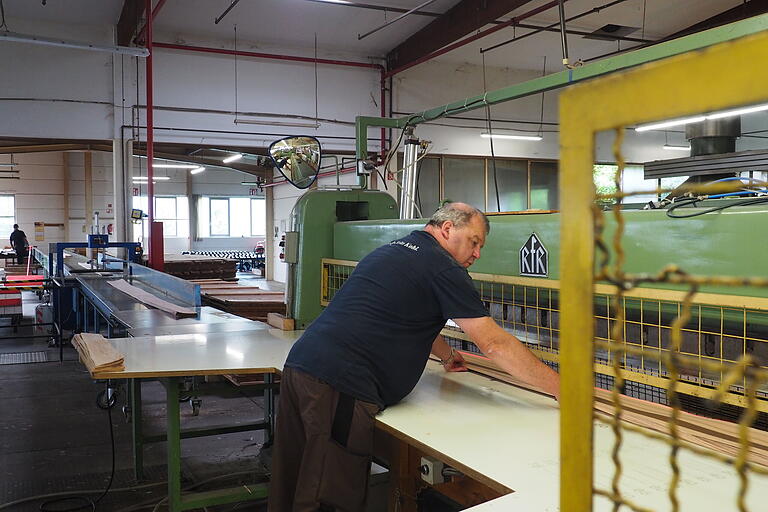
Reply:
x=431, y=470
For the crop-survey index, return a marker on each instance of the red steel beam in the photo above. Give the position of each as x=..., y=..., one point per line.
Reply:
x=150, y=130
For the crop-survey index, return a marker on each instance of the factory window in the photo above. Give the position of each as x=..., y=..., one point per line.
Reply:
x=231, y=216
x=172, y=211
x=464, y=180
x=219, y=217
x=7, y=214
x=258, y=217
x=633, y=180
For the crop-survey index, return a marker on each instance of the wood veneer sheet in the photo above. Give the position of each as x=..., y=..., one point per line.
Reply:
x=719, y=436
x=151, y=300
x=97, y=354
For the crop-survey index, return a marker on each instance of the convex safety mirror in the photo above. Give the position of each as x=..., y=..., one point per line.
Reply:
x=297, y=158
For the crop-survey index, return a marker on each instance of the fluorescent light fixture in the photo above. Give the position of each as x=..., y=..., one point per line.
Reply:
x=174, y=166
x=332, y=1
x=251, y=183
x=77, y=45
x=738, y=111
x=672, y=147
x=8, y=165
x=669, y=124
x=232, y=158
x=278, y=123
x=154, y=178
x=512, y=137
x=197, y=170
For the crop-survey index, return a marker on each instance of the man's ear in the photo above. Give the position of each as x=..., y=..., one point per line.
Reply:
x=446, y=228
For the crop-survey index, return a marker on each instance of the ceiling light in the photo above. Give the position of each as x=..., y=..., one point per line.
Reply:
x=197, y=170
x=232, y=158
x=174, y=166
x=672, y=147
x=669, y=124
x=78, y=45
x=333, y=1
x=738, y=111
x=512, y=137
x=278, y=123
x=154, y=178
x=8, y=165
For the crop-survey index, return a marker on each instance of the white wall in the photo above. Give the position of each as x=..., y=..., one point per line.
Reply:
x=38, y=194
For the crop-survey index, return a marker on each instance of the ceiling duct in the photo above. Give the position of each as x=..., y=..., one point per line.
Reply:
x=713, y=136
x=713, y=155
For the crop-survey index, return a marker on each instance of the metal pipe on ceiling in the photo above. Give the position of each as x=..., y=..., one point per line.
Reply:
x=293, y=58
x=475, y=37
x=375, y=7
x=553, y=26
x=231, y=6
x=388, y=23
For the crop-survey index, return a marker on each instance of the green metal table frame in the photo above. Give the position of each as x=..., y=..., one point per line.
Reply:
x=174, y=434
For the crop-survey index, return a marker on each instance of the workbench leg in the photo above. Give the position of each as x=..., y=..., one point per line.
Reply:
x=174, y=443
x=96, y=321
x=136, y=426
x=269, y=408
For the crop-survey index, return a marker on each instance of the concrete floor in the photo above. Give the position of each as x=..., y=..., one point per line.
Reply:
x=53, y=438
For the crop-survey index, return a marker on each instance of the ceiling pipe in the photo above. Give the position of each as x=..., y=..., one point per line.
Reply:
x=150, y=131
x=475, y=37
x=553, y=26
x=388, y=23
x=293, y=58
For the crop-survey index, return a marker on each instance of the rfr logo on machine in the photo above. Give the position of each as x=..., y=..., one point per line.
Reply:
x=534, y=258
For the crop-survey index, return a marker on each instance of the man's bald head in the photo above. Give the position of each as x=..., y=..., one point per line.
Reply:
x=460, y=214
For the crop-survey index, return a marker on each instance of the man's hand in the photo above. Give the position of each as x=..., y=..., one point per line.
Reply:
x=454, y=363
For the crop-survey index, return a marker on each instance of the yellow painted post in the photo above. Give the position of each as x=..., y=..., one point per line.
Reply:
x=720, y=77
x=576, y=311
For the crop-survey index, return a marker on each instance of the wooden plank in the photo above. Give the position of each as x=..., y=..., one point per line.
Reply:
x=280, y=321
x=151, y=300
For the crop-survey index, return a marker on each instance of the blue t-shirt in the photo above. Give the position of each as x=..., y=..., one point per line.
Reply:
x=374, y=339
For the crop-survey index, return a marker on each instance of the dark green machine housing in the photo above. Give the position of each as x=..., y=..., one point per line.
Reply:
x=732, y=242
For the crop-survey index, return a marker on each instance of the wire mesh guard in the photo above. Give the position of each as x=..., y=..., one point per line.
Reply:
x=719, y=350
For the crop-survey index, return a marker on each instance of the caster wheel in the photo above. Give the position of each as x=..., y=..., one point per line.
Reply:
x=196, y=403
x=104, y=401
x=127, y=413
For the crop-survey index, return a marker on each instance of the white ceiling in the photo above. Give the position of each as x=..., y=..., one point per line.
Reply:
x=294, y=23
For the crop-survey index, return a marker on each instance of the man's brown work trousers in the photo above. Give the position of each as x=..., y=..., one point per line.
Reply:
x=323, y=444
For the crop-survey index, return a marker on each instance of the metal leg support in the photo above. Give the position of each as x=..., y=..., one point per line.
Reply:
x=269, y=408
x=174, y=443
x=136, y=427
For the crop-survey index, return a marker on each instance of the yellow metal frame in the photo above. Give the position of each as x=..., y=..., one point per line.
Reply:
x=717, y=78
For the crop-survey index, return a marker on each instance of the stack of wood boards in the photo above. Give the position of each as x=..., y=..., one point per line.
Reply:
x=21, y=270
x=247, y=301
x=190, y=267
x=715, y=435
x=97, y=354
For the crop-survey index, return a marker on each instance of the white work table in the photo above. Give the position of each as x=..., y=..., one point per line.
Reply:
x=503, y=436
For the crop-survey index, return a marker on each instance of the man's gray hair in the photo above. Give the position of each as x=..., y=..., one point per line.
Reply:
x=459, y=214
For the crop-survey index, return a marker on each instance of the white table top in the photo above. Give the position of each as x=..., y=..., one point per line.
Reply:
x=511, y=436
x=501, y=435
x=176, y=355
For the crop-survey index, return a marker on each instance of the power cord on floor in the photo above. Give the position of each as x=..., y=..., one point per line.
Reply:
x=84, y=500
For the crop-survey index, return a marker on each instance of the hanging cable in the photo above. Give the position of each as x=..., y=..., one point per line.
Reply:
x=541, y=117
x=316, y=110
x=2, y=17
x=490, y=139
x=236, y=111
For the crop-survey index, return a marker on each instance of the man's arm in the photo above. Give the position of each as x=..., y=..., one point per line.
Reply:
x=452, y=360
x=510, y=354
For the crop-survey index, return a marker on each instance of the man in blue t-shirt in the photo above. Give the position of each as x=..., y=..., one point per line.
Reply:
x=367, y=351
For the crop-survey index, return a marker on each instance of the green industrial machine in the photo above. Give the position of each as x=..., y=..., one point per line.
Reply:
x=518, y=274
